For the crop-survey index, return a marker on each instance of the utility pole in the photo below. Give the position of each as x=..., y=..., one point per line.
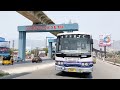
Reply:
x=13, y=45
x=105, y=51
x=100, y=52
x=46, y=42
x=114, y=51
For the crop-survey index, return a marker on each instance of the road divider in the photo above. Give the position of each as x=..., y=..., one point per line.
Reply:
x=117, y=64
x=28, y=68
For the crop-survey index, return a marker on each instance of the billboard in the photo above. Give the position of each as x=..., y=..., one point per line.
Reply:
x=49, y=28
x=5, y=44
x=104, y=40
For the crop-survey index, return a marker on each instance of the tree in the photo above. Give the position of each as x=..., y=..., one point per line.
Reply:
x=32, y=51
x=11, y=50
x=46, y=50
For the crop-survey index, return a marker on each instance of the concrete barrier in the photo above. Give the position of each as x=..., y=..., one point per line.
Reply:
x=28, y=68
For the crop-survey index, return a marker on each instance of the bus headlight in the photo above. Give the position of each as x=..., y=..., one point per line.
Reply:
x=58, y=63
x=86, y=64
x=82, y=64
x=62, y=63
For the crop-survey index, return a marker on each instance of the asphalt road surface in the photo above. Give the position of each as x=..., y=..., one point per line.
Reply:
x=102, y=70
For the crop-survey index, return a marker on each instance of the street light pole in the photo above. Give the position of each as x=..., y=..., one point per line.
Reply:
x=105, y=51
x=114, y=51
x=46, y=42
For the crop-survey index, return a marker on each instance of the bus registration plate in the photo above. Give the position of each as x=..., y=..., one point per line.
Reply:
x=71, y=70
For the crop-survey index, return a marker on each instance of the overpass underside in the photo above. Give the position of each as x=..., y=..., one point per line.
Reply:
x=38, y=17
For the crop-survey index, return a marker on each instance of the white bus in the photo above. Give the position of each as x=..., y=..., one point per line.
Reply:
x=74, y=52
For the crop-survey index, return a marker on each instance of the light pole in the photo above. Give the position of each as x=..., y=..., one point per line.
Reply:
x=114, y=51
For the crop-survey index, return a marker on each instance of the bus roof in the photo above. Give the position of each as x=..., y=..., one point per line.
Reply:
x=74, y=32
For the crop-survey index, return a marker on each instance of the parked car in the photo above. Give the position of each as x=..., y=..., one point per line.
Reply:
x=36, y=59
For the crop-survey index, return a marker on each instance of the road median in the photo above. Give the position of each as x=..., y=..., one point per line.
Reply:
x=110, y=62
x=27, y=69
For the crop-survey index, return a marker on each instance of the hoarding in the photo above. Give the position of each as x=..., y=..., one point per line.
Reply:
x=5, y=44
x=49, y=27
x=104, y=40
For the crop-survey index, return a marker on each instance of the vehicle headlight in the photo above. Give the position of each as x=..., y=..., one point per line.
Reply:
x=82, y=64
x=58, y=63
x=62, y=63
x=86, y=64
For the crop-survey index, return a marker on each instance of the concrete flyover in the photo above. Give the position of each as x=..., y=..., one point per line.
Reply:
x=38, y=17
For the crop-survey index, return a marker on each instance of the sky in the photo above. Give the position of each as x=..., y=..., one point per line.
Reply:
x=94, y=22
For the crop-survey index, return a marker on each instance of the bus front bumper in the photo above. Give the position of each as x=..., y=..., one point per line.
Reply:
x=74, y=69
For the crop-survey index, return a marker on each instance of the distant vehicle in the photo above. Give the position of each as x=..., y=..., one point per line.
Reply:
x=7, y=60
x=36, y=59
x=18, y=59
x=53, y=55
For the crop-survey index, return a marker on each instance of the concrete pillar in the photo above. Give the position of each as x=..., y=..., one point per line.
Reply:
x=22, y=45
x=50, y=50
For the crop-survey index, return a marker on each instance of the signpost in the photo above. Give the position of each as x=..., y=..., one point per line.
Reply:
x=49, y=28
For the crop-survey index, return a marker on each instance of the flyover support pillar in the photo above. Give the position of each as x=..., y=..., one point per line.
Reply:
x=50, y=50
x=22, y=45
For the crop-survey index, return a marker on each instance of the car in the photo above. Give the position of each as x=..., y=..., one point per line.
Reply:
x=17, y=59
x=36, y=59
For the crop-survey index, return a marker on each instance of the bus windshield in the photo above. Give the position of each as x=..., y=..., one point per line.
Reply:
x=73, y=44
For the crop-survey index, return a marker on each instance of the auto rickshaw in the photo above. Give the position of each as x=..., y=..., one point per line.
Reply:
x=7, y=60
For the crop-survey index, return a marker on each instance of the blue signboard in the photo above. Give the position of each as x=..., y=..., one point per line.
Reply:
x=51, y=40
x=2, y=39
x=49, y=28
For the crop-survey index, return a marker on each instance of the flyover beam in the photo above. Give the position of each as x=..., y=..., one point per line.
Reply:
x=38, y=17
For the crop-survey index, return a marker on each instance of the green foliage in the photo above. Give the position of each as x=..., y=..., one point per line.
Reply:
x=46, y=50
x=11, y=50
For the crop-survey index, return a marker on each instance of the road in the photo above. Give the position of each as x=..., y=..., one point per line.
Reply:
x=102, y=70
x=22, y=64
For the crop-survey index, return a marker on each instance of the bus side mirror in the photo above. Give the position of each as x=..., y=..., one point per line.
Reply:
x=91, y=41
x=92, y=44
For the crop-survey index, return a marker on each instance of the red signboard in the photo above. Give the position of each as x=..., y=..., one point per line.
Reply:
x=52, y=27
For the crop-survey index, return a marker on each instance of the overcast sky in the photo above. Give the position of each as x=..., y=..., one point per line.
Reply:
x=94, y=22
